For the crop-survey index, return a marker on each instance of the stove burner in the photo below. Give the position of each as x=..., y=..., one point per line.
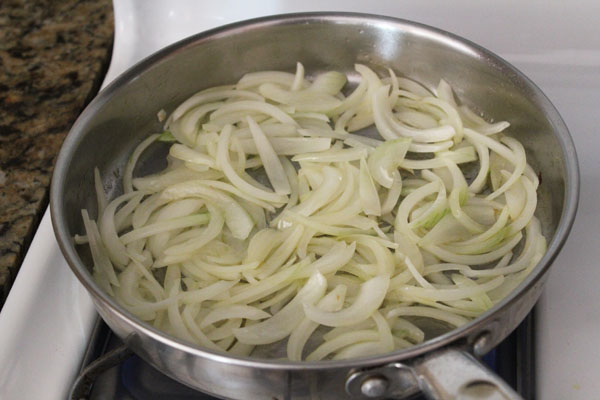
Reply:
x=111, y=371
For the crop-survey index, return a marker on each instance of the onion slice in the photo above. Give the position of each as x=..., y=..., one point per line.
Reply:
x=283, y=323
x=370, y=297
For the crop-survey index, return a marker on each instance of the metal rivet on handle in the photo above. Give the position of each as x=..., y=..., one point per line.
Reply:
x=391, y=380
x=374, y=386
x=481, y=344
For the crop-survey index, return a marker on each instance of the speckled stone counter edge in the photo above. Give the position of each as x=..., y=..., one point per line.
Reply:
x=53, y=57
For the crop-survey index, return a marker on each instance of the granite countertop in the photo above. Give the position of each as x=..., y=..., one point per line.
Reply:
x=53, y=57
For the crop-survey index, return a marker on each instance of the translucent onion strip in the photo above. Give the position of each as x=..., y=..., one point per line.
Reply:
x=368, y=300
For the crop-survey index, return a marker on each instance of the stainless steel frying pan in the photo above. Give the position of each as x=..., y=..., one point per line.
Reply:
x=444, y=367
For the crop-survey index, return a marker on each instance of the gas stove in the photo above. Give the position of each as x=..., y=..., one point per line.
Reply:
x=111, y=371
x=47, y=322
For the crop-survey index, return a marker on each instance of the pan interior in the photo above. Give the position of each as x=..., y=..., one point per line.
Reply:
x=126, y=112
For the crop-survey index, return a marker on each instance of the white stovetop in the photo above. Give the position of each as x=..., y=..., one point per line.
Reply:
x=45, y=323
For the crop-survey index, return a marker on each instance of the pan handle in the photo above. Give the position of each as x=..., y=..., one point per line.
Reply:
x=447, y=374
x=455, y=374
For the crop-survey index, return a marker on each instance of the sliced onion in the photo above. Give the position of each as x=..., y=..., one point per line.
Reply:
x=333, y=301
x=289, y=146
x=284, y=322
x=270, y=161
x=369, y=199
x=214, y=251
x=236, y=218
x=233, y=311
x=368, y=300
